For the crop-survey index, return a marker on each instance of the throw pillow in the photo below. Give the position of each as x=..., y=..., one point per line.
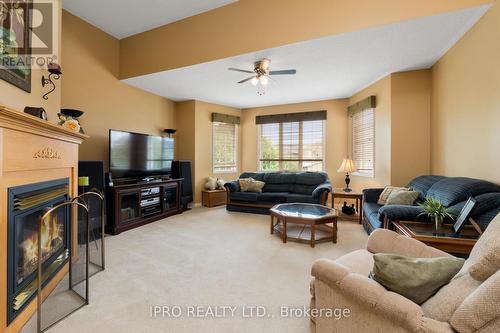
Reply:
x=387, y=191
x=250, y=185
x=211, y=183
x=414, y=278
x=402, y=198
x=220, y=183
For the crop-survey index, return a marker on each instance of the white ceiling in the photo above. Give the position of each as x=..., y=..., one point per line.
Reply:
x=123, y=18
x=330, y=67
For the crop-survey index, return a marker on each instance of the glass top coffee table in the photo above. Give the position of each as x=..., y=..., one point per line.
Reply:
x=444, y=239
x=304, y=222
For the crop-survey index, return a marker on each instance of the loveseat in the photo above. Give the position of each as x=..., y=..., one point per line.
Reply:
x=470, y=302
x=280, y=187
x=453, y=192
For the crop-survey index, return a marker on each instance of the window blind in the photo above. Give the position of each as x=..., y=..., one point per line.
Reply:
x=292, y=146
x=225, y=151
x=363, y=141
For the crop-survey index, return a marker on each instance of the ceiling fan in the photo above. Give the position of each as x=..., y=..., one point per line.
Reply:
x=261, y=72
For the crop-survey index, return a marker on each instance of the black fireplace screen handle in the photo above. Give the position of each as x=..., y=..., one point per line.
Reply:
x=39, y=275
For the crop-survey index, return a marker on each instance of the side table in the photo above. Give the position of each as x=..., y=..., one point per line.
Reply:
x=354, y=195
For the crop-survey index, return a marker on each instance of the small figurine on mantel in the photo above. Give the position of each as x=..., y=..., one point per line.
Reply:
x=68, y=118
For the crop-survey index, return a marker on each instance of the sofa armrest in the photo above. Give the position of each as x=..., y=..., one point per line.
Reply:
x=360, y=289
x=232, y=186
x=371, y=194
x=386, y=241
x=318, y=191
x=401, y=213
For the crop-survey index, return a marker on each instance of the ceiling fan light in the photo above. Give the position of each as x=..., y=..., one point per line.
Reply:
x=264, y=80
x=254, y=81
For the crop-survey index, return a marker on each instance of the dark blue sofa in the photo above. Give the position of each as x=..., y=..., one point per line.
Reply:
x=280, y=187
x=453, y=192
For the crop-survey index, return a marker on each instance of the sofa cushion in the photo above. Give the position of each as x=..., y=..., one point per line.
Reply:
x=453, y=190
x=370, y=208
x=414, y=278
x=485, y=219
x=255, y=175
x=277, y=187
x=304, y=189
x=278, y=197
x=374, y=220
x=244, y=196
x=423, y=183
x=279, y=178
x=311, y=178
x=480, y=308
x=293, y=197
x=359, y=261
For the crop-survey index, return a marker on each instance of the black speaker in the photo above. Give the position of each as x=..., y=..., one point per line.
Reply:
x=182, y=169
x=95, y=171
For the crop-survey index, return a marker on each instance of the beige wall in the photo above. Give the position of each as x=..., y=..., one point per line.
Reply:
x=90, y=84
x=466, y=104
x=336, y=133
x=17, y=99
x=253, y=25
x=402, y=128
x=410, y=125
x=382, y=90
x=194, y=140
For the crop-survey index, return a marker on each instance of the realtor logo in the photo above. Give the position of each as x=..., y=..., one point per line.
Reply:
x=26, y=27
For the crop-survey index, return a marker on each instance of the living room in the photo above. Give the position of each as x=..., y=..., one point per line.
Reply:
x=240, y=150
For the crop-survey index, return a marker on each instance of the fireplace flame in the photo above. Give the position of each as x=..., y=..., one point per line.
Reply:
x=52, y=238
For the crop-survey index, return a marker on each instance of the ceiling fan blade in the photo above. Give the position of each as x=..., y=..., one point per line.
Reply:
x=240, y=70
x=283, y=72
x=247, y=79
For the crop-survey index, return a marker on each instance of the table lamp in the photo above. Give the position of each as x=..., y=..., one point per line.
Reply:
x=347, y=166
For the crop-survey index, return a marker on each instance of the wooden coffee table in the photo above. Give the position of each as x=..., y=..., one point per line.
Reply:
x=304, y=222
x=444, y=239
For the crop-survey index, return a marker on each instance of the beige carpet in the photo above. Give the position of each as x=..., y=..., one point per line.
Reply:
x=206, y=257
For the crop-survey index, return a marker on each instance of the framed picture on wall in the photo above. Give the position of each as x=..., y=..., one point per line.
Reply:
x=15, y=41
x=464, y=215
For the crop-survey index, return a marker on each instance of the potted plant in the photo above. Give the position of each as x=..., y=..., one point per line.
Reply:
x=436, y=211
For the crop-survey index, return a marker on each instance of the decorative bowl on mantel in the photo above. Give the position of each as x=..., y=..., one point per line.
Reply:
x=72, y=113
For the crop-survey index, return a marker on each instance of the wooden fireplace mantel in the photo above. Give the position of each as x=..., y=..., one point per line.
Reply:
x=32, y=150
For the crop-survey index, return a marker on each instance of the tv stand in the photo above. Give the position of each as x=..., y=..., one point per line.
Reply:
x=133, y=204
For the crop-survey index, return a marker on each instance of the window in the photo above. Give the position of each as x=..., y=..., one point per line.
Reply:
x=292, y=146
x=225, y=151
x=363, y=141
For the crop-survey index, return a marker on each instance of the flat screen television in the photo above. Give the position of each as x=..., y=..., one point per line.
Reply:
x=139, y=155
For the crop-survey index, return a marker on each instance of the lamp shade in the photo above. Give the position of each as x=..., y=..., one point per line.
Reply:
x=347, y=166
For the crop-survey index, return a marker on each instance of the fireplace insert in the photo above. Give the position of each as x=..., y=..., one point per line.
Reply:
x=27, y=204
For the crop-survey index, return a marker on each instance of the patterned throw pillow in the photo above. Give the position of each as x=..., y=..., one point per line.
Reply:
x=382, y=199
x=251, y=185
x=402, y=198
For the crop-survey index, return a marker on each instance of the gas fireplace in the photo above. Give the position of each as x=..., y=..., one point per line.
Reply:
x=27, y=204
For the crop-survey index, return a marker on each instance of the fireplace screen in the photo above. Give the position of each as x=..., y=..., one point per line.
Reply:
x=27, y=204
x=53, y=232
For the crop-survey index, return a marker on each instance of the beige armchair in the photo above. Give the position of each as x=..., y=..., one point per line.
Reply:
x=469, y=303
